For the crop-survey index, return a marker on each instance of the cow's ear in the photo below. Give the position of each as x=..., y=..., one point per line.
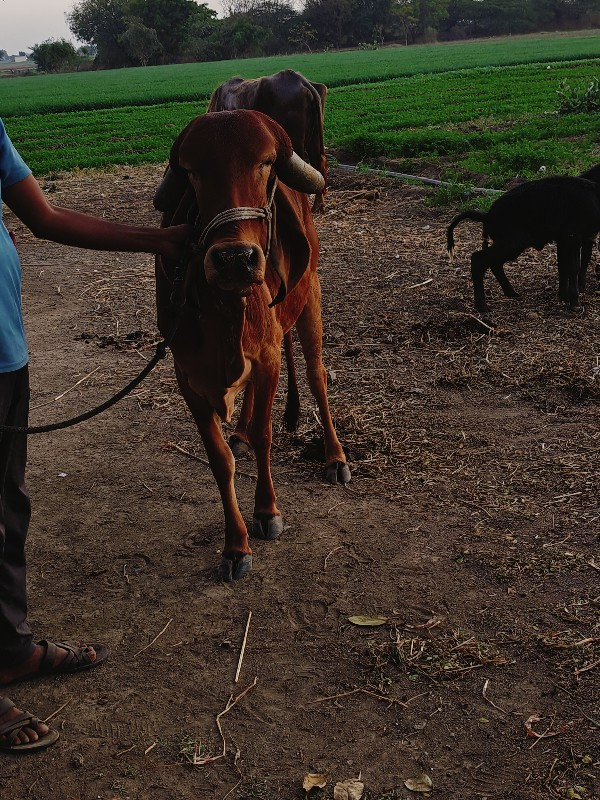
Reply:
x=175, y=181
x=282, y=140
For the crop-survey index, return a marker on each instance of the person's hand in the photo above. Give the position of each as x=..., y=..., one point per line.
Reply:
x=174, y=240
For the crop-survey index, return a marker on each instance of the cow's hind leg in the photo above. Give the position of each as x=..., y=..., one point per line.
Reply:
x=267, y=522
x=310, y=333
x=236, y=562
x=292, y=401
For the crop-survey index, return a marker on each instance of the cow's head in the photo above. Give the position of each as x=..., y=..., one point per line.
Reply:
x=231, y=160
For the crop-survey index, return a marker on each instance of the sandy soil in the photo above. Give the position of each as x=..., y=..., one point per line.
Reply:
x=470, y=526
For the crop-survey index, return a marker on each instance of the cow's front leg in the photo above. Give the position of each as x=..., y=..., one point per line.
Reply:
x=267, y=522
x=310, y=332
x=238, y=441
x=236, y=562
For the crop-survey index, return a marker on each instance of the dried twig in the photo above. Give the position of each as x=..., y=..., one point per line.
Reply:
x=417, y=285
x=383, y=698
x=58, y=710
x=485, y=697
x=587, y=668
x=155, y=638
x=243, y=650
x=330, y=553
x=60, y=396
x=175, y=446
x=198, y=762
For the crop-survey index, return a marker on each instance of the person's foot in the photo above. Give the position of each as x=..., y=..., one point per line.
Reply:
x=31, y=666
x=30, y=733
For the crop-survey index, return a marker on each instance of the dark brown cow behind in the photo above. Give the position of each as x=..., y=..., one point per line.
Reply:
x=252, y=276
x=290, y=99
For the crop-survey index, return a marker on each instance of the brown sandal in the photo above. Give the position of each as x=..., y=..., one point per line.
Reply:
x=78, y=658
x=14, y=726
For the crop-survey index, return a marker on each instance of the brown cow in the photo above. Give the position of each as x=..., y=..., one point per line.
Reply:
x=290, y=99
x=252, y=276
x=298, y=106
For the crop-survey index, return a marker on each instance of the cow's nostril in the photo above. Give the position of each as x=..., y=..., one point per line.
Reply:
x=232, y=257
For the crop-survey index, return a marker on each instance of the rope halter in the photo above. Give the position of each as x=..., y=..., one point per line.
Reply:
x=241, y=213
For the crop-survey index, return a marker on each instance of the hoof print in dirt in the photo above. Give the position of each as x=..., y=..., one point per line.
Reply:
x=338, y=472
x=236, y=568
x=238, y=446
x=266, y=526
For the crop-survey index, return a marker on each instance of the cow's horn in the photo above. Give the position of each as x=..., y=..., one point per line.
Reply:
x=171, y=188
x=299, y=175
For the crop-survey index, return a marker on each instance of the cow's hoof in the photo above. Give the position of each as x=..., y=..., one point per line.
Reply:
x=235, y=568
x=266, y=526
x=338, y=472
x=238, y=446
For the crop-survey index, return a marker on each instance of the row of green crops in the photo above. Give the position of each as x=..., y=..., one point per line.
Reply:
x=489, y=123
x=195, y=82
x=494, y=122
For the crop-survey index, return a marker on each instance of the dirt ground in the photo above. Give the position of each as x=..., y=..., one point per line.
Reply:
x=470, y=527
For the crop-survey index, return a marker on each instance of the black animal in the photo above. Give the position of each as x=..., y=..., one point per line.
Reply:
x=564, y=210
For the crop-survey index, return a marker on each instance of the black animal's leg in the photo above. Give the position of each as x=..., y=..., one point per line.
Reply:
x=478, y=267
x=500, y=275
x=586, y=255
x=569, y=264
x=563, y=278
x=494, y=258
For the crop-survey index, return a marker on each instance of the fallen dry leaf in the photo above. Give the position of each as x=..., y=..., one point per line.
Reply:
x=530, y=732
x=361, y=619
x=422, y=783
x=313, y=780
x=352, y=789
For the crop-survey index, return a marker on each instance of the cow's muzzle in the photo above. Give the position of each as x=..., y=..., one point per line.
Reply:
x=234, y=267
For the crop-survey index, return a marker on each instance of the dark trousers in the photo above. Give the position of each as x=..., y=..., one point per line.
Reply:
x=16, y=640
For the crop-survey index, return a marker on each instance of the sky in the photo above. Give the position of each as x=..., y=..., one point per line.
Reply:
x=24, y=23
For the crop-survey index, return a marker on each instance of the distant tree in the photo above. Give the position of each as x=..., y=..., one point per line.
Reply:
x=140, y=42
x=170, y=19
x=404, y=19
x=101, y=23
x=332, y=19
x=54, y=55
x=203, y=25
x=234, y=37
x=370, y=20
x=302, y=35
x=3, y=55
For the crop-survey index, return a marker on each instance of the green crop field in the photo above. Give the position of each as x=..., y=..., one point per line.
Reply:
x=481, y=108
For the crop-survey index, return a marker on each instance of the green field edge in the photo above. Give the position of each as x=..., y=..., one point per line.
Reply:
x=204, y=96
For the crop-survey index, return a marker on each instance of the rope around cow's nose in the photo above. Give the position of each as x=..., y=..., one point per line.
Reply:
x=241, y=213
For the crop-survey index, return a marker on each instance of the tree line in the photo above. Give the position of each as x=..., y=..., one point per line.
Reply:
x=122, y=33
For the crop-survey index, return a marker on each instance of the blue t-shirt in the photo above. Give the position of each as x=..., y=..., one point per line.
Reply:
x=13, y=347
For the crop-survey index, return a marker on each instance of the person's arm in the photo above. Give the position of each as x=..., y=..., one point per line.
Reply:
x=47, y=221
